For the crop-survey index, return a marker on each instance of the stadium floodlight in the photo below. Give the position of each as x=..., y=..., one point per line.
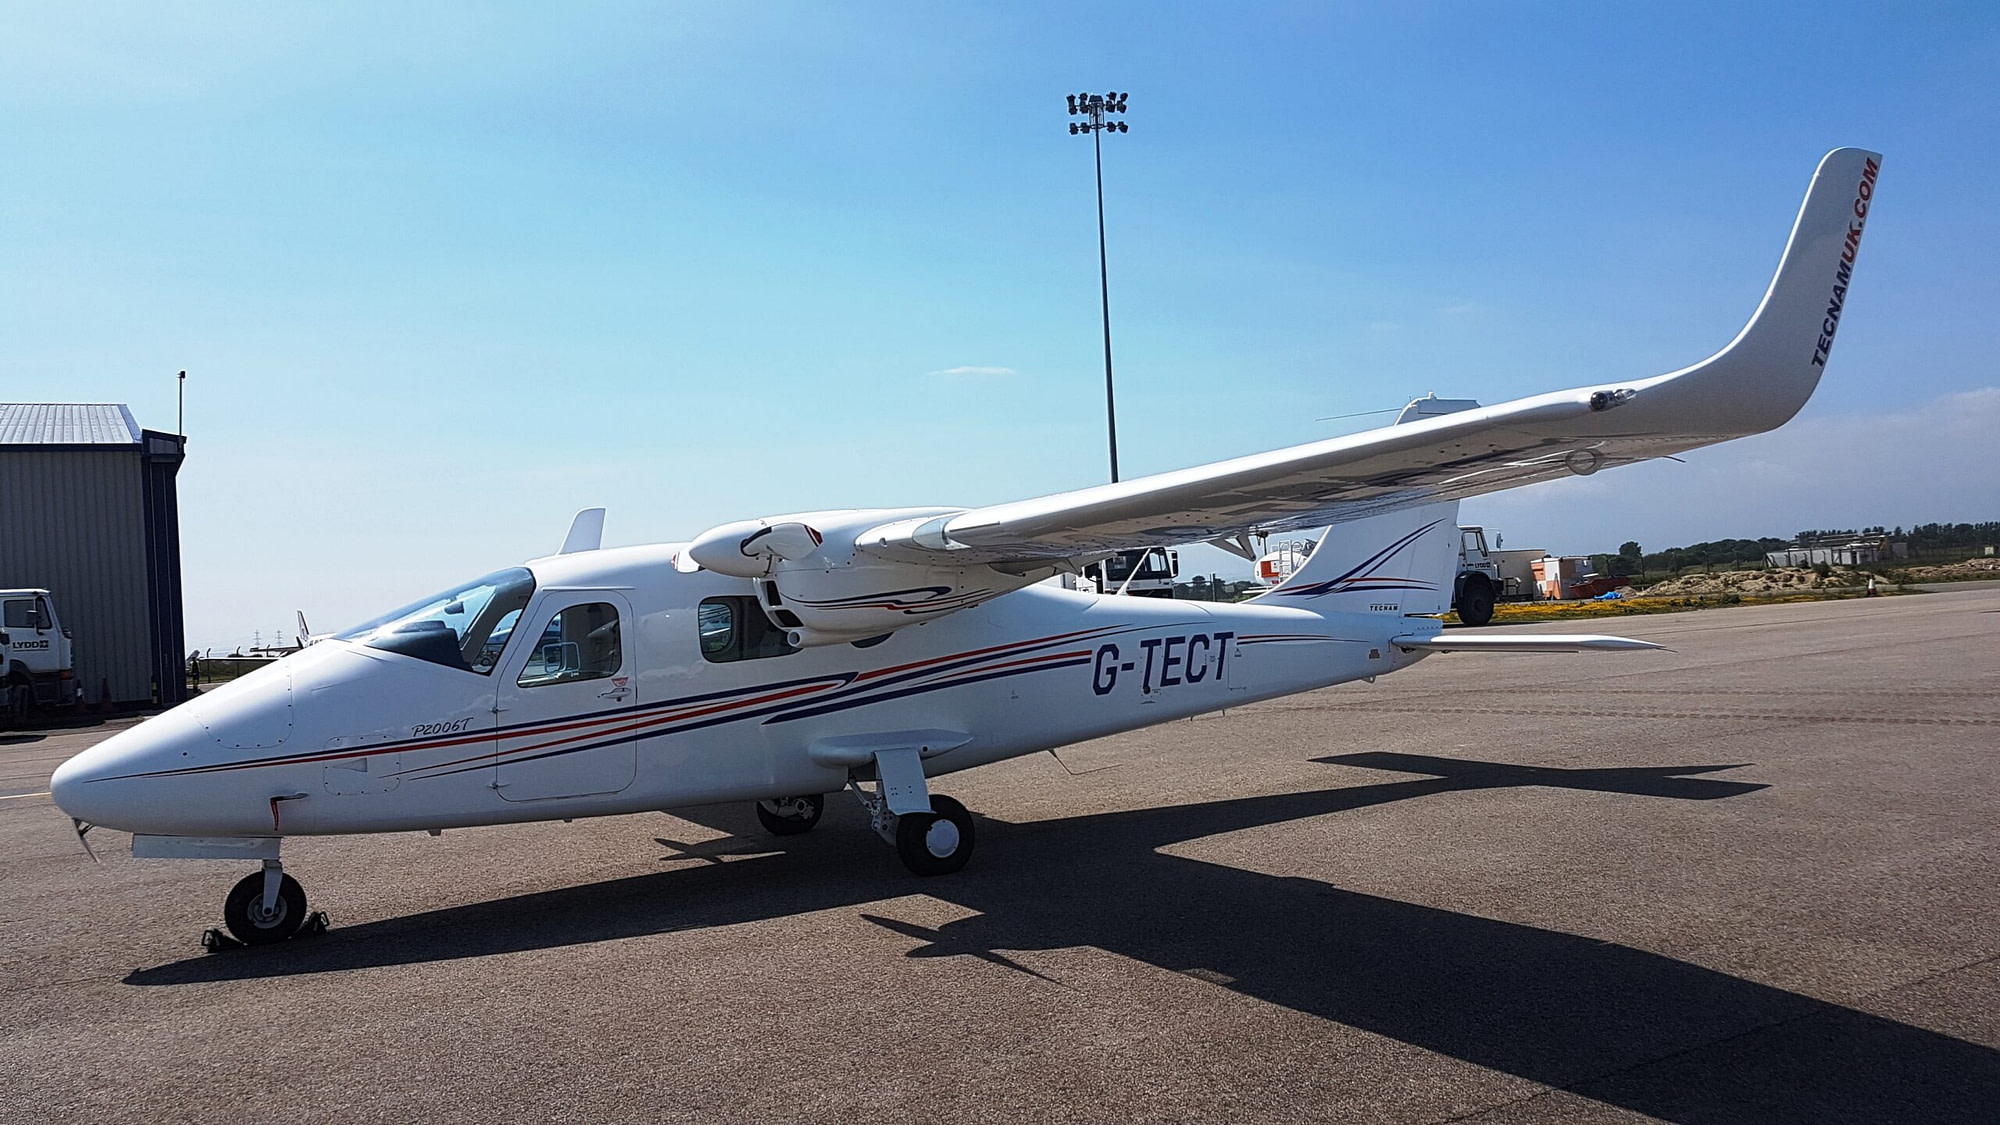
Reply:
x=1093, y=107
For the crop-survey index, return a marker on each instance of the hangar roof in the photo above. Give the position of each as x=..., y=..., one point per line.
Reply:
x=67, y=423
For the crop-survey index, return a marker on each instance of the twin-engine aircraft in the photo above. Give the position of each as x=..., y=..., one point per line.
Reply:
x=777, y=660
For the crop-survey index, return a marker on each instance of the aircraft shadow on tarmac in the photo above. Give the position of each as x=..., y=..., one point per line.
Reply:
x=1610, y=1022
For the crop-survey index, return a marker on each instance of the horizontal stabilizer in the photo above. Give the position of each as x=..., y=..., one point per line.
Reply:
x=1541, y=642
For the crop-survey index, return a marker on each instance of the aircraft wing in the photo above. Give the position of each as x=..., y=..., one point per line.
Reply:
x=1756, y=383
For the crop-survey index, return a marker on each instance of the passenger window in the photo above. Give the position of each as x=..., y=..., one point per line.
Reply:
x=735, y=629
x=20, y=613
x=579, y=643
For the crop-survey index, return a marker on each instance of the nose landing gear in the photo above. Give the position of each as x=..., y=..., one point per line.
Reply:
x=263, y=908
x=266, y=907
x=255, y=921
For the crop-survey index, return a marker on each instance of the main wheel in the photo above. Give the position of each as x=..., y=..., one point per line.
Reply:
x=789, y=816
x=937, y=842
x=1475, y=602
x=243, y=911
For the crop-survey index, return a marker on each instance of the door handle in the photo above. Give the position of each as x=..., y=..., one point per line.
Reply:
x=615, y=693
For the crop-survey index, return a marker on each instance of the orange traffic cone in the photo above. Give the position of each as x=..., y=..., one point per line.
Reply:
x=104, y=695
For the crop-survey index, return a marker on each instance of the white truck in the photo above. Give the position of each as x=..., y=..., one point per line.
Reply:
x=1479, y=583
x=39, y=671
x=1148, y=573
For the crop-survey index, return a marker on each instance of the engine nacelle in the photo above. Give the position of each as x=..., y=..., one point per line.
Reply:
x=827, y=592
x=871, y=598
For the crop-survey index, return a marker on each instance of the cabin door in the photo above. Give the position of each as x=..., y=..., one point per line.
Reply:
x=567, y=699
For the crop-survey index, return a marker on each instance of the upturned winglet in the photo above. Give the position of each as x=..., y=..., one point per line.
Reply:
x=1766, y=374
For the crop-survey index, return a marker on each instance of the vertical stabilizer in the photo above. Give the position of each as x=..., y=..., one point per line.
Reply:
x=1404, y=562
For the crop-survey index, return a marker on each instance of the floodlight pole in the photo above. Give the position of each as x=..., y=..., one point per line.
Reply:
x=1093, y=107
x=1104, y=295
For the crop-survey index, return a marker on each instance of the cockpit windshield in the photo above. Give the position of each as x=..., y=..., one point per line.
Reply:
x=466, y=627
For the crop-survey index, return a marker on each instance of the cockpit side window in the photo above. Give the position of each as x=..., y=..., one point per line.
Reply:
x=734, y=628
x=466, y=627
x=579, y=643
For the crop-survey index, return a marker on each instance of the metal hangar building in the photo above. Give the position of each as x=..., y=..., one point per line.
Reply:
x=88, y=511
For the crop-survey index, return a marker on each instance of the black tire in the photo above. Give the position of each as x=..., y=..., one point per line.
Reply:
x=918, y=845
x=21, y=696
x=1475, y=602
x=243, y=910
x=784, y=824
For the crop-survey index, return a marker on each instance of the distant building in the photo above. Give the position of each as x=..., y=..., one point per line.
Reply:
x=1865, y=551
x=89, y=512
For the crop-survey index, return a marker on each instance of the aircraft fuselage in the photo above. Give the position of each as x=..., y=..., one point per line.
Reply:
x=344, y=737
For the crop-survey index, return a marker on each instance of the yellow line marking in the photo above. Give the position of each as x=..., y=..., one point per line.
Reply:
x=18, y=796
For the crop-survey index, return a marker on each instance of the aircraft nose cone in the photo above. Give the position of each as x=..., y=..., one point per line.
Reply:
x=84, y=787
x=105, y=784
x=67, y=785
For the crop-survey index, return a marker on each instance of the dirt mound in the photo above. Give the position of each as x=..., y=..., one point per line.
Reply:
x=1952, y=572
x=1770, y=580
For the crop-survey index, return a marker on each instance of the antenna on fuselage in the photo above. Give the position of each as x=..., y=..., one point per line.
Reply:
x=586, y=532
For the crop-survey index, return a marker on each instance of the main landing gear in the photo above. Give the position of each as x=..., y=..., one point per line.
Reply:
x=789, y=816
x=932, y=841
x=937, y=842
x=932, y=833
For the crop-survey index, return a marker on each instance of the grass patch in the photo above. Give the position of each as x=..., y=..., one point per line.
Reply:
x=1522, y=613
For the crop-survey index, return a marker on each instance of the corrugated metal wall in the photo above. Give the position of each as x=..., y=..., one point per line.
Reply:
x=74, y=521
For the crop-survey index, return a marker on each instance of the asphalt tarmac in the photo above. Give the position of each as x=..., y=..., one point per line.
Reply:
x=1752, y=879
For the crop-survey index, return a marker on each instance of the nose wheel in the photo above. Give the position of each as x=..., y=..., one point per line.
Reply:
x=268, y=906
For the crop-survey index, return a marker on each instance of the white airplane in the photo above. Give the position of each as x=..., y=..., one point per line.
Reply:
x=776, y=660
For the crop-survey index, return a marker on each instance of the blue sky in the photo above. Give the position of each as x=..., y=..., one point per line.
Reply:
x=442, y=276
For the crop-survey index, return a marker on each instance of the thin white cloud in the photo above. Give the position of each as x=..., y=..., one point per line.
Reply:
x=971, y=372
x=1463, y=310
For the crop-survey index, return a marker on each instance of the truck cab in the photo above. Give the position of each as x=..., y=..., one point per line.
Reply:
x=1147, y=573
x=39, y=671
x=1479, y=583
